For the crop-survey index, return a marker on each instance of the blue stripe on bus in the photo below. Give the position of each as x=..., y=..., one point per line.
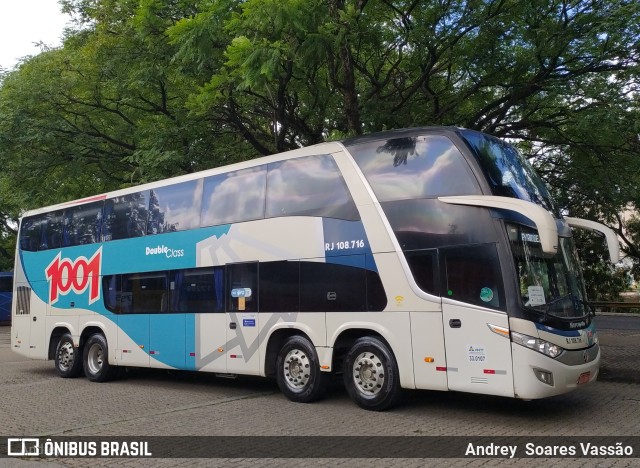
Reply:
x=169, y=338
x=346, y=243
x=168, y=251
x=555, y=331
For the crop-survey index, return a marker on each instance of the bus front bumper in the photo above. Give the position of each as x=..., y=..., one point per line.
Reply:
x=536, y=375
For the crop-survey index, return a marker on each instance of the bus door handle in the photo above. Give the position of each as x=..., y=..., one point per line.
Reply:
x=455, y=323
x=232, y=325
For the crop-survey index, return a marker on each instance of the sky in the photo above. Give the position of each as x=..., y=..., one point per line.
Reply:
x=25, y=22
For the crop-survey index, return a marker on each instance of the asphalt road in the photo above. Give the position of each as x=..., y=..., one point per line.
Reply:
x=618, y=322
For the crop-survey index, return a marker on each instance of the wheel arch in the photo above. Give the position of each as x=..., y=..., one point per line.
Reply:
x=54, y=337
x=345, y=339
x=275, y=342
x=89, y=330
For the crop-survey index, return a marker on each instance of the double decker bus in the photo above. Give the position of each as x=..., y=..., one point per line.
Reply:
x=425, y=258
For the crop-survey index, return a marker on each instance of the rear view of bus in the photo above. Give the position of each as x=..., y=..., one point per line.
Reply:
x=480, y=233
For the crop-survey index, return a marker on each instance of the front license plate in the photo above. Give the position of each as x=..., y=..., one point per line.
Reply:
x=584, y=378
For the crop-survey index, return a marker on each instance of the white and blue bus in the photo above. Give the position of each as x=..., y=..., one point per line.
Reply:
x=426, y=258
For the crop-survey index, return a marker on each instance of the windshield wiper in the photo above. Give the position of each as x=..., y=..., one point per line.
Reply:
x=546, y=307
x=591, y=310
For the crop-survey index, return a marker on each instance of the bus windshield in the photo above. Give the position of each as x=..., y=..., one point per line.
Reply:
x=549, y=284
x=507, y=172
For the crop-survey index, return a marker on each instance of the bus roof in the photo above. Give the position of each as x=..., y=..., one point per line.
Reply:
x=320, y=148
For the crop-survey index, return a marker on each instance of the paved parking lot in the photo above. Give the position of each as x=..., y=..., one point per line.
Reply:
x=35, y=402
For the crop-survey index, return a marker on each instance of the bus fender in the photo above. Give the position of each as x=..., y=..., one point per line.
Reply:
x=289, y=329
x=403, y=354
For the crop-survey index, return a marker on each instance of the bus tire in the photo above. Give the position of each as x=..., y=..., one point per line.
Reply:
x=68, y=359
x=371, y=375
x=96, y=359
x=298, y=371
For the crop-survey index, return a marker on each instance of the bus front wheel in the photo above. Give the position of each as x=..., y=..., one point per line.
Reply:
x=68, y=359
x=96, y=359
x=298, y=371
x=371, y=375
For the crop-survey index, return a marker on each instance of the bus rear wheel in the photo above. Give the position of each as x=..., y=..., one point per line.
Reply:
x=298, y=371
x=68, y=359
x=371, y=375
x=96, y=359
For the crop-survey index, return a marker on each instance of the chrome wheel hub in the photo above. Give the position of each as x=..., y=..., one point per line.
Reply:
x=95, y=358
x=368, y=374
x=296, y=368
x=66, y=355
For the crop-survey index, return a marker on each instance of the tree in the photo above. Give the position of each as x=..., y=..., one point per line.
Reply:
x=145, y=89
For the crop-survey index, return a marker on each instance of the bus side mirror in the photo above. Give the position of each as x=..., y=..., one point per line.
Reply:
x=609, y=234
x=544, y=221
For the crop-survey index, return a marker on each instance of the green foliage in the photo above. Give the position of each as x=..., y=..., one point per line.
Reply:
x=146, y=89
x=603, y=281
x=631, y=236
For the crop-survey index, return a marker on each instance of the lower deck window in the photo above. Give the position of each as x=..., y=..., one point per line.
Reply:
x=280, y=286
x=472, y=274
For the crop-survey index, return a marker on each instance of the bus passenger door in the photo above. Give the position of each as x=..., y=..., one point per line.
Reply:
x=476, y=328
x=243, y=338
x=198, y=295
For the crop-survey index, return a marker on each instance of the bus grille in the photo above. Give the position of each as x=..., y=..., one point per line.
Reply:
x=23, y=305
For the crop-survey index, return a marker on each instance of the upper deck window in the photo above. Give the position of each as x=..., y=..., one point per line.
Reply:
x=235, y=196
x=82, y=225
x=310, y=186
x=125, y=216
x=415, y=167
x=175, y=207
x=507, y=172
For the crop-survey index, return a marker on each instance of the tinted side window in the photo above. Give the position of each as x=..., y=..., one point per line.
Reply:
x=414, y=167
x=198, y=290
x=234, y=197
x=82, y=224
x=332, y=287
x=280, y=286
x=112, y=292
x=42, y=232
x=310, y=186
x=125, y=216
x=175, y=207
x=30, y=229
x=424, y=267
x=376, y=296
x=144, y=293
x=52, y=230
x=472, y=274
x=242, y=287
x=430, y=223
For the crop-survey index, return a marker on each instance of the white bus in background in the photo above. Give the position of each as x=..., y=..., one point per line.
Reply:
x=426, y=258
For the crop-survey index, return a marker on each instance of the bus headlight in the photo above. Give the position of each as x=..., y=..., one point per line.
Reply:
x=544, y=347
